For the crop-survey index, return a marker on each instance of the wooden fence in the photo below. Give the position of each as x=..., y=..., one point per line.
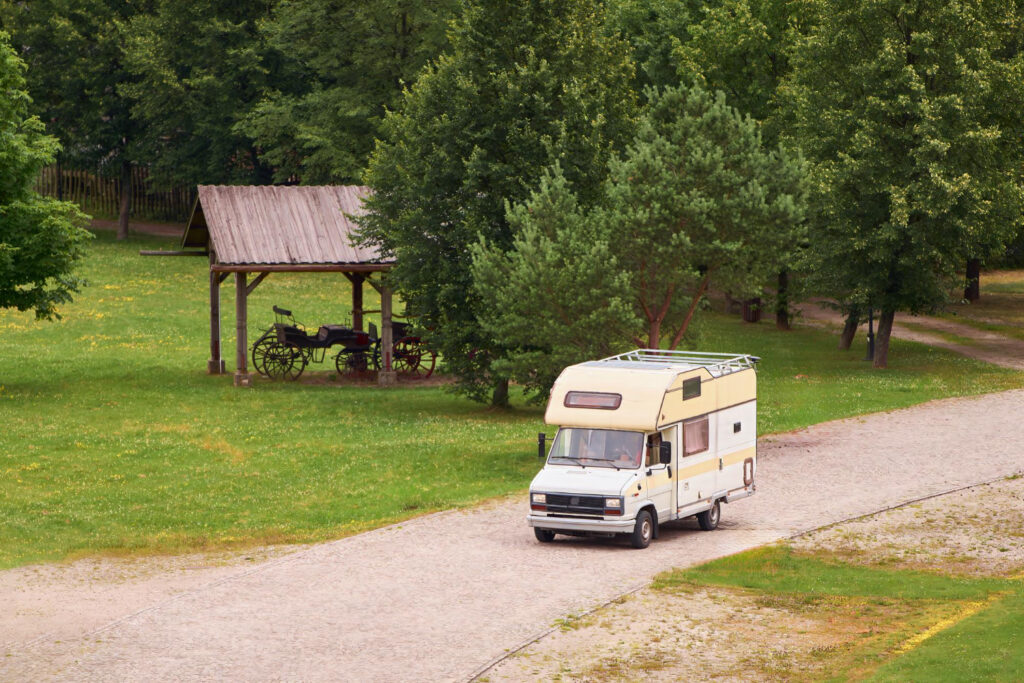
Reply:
x=100, y=196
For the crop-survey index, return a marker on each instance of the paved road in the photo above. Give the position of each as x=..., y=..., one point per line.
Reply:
x=438, y=597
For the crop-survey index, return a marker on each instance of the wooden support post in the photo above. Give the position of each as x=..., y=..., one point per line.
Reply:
x=357, y=300
x=242, y=376
x=214, y=366
x=387, y=376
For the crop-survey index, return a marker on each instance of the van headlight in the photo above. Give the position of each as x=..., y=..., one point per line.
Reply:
x=613, y=503
x=538, y=498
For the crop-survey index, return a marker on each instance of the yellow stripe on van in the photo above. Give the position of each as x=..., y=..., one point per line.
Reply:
x=738, y=456
x=699, y=468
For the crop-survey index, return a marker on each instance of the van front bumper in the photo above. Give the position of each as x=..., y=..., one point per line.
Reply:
x=603, y=526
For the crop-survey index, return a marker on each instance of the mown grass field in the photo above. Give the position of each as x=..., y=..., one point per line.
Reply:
x=924, y=625
x=114, y=439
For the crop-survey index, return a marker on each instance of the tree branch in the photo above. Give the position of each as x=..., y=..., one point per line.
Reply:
x=689, y=314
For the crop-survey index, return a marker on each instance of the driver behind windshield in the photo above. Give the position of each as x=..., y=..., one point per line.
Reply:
x=622, y=450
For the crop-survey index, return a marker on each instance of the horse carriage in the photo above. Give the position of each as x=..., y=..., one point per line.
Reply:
x=285, y=349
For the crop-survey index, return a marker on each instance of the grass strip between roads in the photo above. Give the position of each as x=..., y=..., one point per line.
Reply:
x=926, y=626
x=116, y=441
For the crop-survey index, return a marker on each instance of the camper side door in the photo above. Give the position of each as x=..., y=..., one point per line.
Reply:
x=698, y=462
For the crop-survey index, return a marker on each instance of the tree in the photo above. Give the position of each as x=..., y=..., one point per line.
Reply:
x=352, y=59
x=655, y=29
x=528, y=83
x=695, y=197
x=74, y=51
x=40, y=238
x=742, y=48
x=198, y=67
x=559, y=295
x=905, y=110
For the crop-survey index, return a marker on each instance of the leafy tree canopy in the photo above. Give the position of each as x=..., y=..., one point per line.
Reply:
x=695, y=196
x=40, y=238
x=528, y=83
x=353, y=59
x=73, y=49
x=198, y=66
x=910, y=113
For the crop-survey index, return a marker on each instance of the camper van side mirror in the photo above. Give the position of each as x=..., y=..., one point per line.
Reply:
x=541, y=437
x=665, y=453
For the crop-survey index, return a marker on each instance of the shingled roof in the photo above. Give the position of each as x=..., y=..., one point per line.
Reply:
x=297, y=225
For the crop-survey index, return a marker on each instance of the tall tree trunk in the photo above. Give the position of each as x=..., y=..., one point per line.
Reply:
x=654, y=334
x=126, y=199
x=782, y=302
x=882, y=338
x=972, y=292
x=499, y=399
x=849, y=329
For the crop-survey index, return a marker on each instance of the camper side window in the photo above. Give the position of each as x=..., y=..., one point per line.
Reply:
x=691, y=388
x=695, y=436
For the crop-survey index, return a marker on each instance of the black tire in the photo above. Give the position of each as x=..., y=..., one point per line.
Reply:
x=544, y=535
x=709, y=518
x=643, y=531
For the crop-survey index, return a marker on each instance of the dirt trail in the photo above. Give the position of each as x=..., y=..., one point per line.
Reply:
x=439, y=597
x=990, y=347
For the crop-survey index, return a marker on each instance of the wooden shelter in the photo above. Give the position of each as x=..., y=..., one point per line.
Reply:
x=259, y=230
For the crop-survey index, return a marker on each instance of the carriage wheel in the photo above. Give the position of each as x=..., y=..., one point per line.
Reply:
x=410, y=358
x=353, y=362
x=259, y=352
x=284, y=361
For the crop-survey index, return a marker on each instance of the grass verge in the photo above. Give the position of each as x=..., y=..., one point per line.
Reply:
x=925, y=626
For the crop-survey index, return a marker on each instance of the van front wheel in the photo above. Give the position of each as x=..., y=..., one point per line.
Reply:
x=643, y=531
x=709, y=518
x=544, y=535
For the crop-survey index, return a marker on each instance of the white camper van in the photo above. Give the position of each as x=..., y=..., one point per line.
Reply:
x=644, y=438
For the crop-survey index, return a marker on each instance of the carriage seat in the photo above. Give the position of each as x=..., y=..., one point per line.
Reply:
x=328, y=332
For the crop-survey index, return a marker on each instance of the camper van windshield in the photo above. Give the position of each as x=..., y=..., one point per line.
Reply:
x=597, y=448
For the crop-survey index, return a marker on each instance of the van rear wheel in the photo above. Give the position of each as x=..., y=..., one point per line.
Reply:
x=709, y=518
x=544, y=535
x=643, y=531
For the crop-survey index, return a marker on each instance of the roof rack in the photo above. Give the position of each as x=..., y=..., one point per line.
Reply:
x=717, y=364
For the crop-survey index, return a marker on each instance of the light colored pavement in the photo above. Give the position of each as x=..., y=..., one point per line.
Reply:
x=438, y=597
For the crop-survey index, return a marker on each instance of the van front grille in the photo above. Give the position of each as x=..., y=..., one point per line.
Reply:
x=584, y=505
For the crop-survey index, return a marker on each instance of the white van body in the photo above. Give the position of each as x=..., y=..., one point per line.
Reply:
x=607, y=471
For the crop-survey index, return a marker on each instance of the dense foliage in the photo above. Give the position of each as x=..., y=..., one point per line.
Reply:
x=74, y=50
x=40, y=238
x=694, y=197
x=528, y=84
x=351, y=60
x=910, y=113
x=198, y=66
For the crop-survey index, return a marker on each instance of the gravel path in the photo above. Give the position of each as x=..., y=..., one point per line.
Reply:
x=439, y=597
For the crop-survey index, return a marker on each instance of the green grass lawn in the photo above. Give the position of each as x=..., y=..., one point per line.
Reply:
x=1000, y=308
x=115, y=440
x=980, y=620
